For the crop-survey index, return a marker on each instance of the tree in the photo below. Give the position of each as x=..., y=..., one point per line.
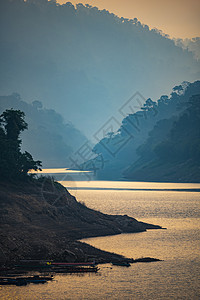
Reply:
x=13, y=163
x=14, y=123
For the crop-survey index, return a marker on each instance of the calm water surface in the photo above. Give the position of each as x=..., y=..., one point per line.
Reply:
x=171, y=205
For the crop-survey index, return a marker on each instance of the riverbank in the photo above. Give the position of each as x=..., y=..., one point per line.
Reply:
x=42, y=220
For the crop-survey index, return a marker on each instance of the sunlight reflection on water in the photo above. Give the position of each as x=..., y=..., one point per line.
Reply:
x=174, y=278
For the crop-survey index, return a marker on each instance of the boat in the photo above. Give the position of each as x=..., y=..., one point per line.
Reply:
x=50, y=266
x=121, y=263
x=36, y=281
x=90, y=264
x=19, y=281
x=79, y=267
x=77, y=270
x=38, y=277
x=13, y=281
x=32, y=267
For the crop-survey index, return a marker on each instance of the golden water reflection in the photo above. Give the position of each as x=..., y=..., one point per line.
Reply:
x=131, y=185
x=174, y=278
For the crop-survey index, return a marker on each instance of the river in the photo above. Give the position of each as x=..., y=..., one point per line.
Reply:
x=171, y=205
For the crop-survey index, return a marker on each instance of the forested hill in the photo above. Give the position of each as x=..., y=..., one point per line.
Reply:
x=36, y=208
x=83, y=62
x=49, y=138
x=171, y=154
x=160, y=142
x=191, y=44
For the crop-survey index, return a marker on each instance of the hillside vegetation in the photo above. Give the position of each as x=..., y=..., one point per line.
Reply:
x=174, y=156
x=84, y=62
x=39, y=218
x=163, y=134
x=49, y=138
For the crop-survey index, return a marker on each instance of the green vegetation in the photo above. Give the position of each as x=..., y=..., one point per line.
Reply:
x=57, y=138
x=14, y=164
x=85, y=62
x=172, y=151
x=160, y=142
x=183, y=142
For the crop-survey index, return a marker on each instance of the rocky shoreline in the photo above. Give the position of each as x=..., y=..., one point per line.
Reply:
x=42, y=220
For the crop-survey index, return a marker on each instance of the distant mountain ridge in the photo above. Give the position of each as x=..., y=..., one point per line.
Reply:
x=83, y=62
x=48, y=137
x=161, y=137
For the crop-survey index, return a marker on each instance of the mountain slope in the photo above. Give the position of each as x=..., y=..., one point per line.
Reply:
x=174, y=156
x=48, y=138
x=124, y=148
x=83, y=62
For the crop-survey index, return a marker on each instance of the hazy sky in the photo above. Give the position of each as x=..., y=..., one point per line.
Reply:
x=178, y=18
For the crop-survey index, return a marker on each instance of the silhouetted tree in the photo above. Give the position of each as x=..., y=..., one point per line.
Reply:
x=14, y=123
x=14, y=164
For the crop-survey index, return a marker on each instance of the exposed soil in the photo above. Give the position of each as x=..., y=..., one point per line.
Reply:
x=42, y=220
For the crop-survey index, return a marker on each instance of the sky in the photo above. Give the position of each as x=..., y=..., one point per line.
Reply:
x=178, y=18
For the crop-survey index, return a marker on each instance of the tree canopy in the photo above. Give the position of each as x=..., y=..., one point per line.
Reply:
x=172, y=150
x=14, y=165
x=165, y=131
